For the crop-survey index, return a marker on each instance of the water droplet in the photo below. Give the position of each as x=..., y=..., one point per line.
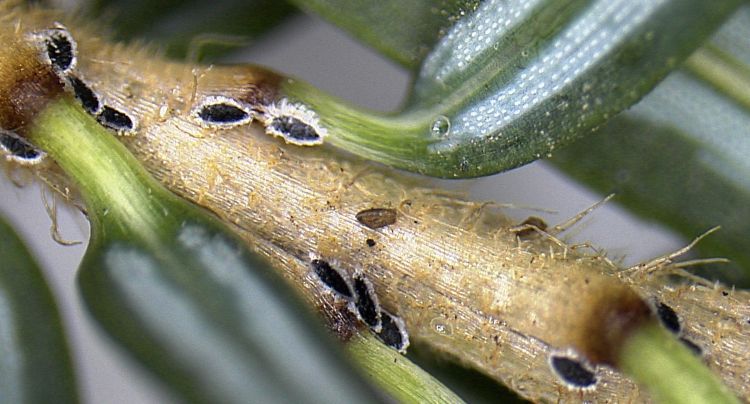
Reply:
x=441, y=127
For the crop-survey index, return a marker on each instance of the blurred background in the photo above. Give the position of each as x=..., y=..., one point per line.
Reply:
x=309, y=48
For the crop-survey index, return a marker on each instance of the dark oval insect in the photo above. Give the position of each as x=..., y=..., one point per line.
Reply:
x=376, y=218
x=222, y=113
x=393, y=332
x=19, y=149
x=572, y=371
x=366, y=302
x=61, y=49
x=526, y=229
x=332, y=278
x=85, y=95
x=294, y=129
x=114, y=119
x=668, y=318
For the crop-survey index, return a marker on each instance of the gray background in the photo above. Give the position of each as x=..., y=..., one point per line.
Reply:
x=313, y=50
